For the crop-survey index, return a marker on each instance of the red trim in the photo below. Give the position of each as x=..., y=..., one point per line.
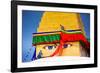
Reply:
x=74, y=37
x=59, y=49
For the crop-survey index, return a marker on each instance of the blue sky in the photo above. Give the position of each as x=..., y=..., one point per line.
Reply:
x=30, y=22
x=86, y=22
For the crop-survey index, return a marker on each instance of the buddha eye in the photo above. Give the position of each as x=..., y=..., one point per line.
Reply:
x=50, y=47
x=67, y=45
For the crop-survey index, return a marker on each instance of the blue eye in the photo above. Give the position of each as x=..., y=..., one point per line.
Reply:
x=66, y=45
x=50, y=47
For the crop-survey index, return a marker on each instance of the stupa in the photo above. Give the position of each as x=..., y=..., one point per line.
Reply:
x=60, y=34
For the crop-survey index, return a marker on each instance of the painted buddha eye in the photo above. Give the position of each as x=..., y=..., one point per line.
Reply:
x=50, y=47
x=67, y=45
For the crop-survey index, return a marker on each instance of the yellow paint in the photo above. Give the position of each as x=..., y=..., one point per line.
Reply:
x=51, y=21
